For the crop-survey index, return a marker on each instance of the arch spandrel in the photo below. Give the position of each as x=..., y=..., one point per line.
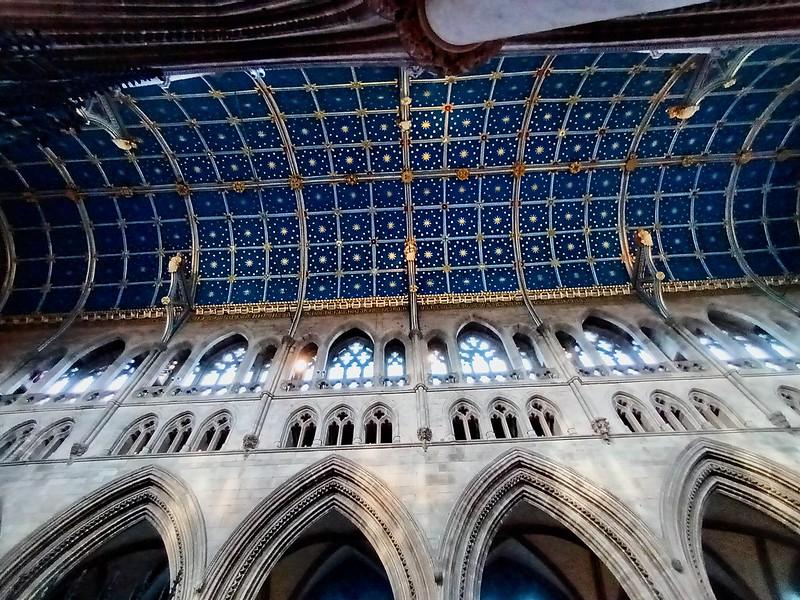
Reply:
x=150, y=493
x=245, y=560
x=605, y=524
x=706, y=467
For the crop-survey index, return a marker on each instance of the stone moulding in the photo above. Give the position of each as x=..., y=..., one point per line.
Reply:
x=149, y=493
x=255, y=547
x=614, y=533
x=705, y=467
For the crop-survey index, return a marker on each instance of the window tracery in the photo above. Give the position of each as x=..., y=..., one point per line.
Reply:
x=713, y=411
x=351, y=362
x=618, y=350
x=302, y=429
x=14, y=439
x=218, y=366
x=579, y=358
x=175, y=435
x=791, y=397
x=340, y=429
x=755, y=342
x=50, y=440
x=137, y=436
x=672, y=413
x=394, y=364
x=665, y=343
x=35, y=371
x=85, y=371
x=483, y=358
x=214, y=433
x=632, y=414
x=256, y=375
x=172, y=367
x=503, y=420
x=543, y=419
x=303, y=368
x=466, y=425
x=438, y=362
x=528, y=356
x=378, y=426
x=126, y=372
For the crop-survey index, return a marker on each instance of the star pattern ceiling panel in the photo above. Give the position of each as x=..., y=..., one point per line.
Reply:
x=266, y=178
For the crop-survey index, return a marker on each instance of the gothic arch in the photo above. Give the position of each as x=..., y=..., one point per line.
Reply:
x=150, y=494
x=612, y=531
x=707, y=466
x=258, y=543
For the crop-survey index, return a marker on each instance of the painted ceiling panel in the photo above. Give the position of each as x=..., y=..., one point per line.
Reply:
x=267, y=176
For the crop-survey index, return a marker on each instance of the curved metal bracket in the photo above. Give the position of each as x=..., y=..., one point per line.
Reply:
x=108, y=120
x=647, y=278
x=296, y=183
x=730, y=194
x=10, y=253
x=516, y=193
x=91, y=258
x=179, y=301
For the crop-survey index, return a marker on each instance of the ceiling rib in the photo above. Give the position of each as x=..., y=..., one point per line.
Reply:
x=10, y=259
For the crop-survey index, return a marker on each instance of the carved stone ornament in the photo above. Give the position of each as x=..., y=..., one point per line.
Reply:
x=406, y=176
x=250, y=442
x=295, y=182
x=425, y=435
x=424, y=46
x=644, y=238
x=78, y=449
x=600, y=427
x=779, y=420
x=410, y=250
x=462, y=174
x=175, y=263
x=682, y=113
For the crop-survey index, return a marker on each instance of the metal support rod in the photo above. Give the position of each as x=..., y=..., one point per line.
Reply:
x=10, y=254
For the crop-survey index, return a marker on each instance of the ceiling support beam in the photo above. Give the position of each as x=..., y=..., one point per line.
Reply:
x=648, y=282
x=296, y=183
x=730, y=196
x=183, y=189
x=179, y=302
x=10, y=254
x=633, y=162
x=572, y=167
x=91, y=251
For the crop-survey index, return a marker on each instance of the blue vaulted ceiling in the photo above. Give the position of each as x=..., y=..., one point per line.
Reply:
x=211, y=173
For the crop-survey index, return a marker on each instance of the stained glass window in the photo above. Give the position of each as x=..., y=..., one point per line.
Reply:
x=618, y=351
x=86, y=370
x=351, y=361
x=482, y=356
x=395, y=363
x=756, y=342
x=172, y=367
x=438, y=361
x=303, y=368
x=219, y=365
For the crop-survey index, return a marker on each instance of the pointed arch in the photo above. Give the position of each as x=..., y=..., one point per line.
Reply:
x=15, y=438
x=213, y=432
x=715, y=412
x=675, y=413
x=790, y=396
x=633, y=413
x=705, y=467
x=604, y=523
x=333, y=483
x=150, y=494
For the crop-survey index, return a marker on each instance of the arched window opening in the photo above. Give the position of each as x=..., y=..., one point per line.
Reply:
x=330, y=560
x=138, y=435
x=86, y=370
x=133, y=565
x=543, y=419
x=378, y=426
x=672, y=413
x=755, y=341
x=50, y=440
x=466, y=425
x=713, y=346
x=395, y=363
x=527, y=353
x=218, y=366
x=482, y=356
x=664, y=342
x=791, y=397
x=631, y=413
x=713, y=411
x=534, y=557
x=257, y=373
x=574, y=351
x=340, y=430
x=36, y=369
x=504, y=421
x=303, y=368
x=214, y=433
x=439, y=362
x=172, y=367
x=176, y=434
x=618, y=351
x=747, y=554
x=350, y=361
x=14, y=439
x=302, y=429
x=126, y=372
